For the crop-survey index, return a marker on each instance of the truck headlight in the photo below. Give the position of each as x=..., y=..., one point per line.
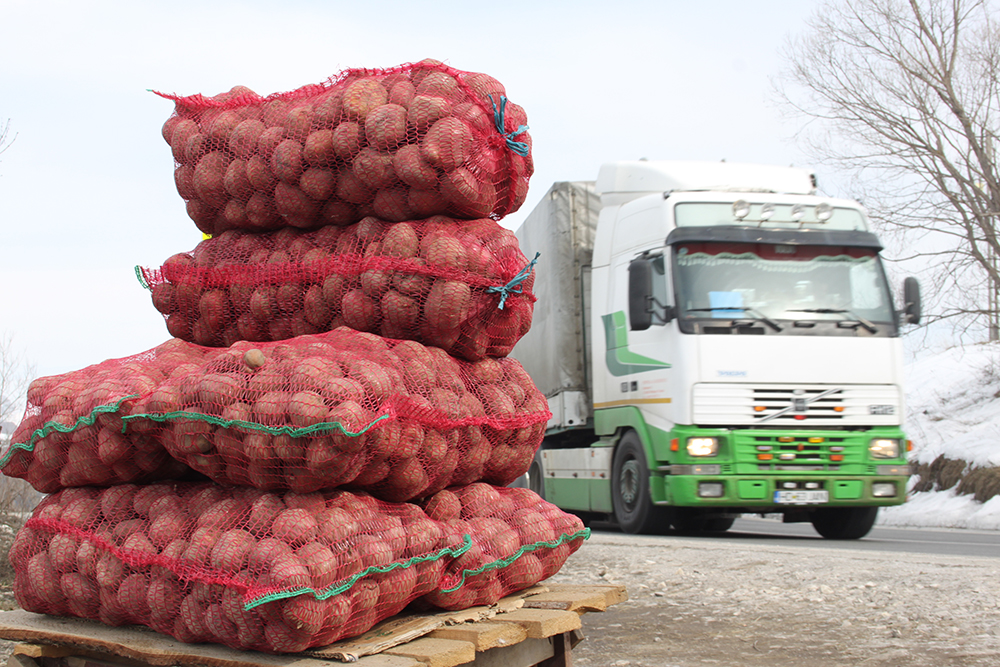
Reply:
x=884, y=448
x=703, y=446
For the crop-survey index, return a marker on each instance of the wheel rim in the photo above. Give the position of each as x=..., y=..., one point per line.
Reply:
x=628, y=483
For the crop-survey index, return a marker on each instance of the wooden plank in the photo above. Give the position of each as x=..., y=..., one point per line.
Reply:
x=483, y=635
x=612, y=594
x=579, y=601
x=151, y=647
x=437, y=652
x=524, y=654
x=36, y=651
x=541, y=623
x=404, y=628
x=16, y=660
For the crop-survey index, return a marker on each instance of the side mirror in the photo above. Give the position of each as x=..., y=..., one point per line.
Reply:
x=911, y=301
x=640, y=293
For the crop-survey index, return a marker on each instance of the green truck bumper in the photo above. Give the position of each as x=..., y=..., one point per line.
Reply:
x=772, y=470
x=775, y=493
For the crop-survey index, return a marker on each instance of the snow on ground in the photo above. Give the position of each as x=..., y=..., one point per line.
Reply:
x=953, y=409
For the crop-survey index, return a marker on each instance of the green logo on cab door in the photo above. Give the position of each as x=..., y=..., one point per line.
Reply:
x=621, y=360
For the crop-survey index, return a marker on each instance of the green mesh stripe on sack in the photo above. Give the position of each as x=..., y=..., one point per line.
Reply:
x=295, y=432
x=346, y=586
x=504, y=562
x=39, y=433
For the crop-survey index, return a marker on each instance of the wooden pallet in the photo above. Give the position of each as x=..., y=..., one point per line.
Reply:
x=537, y=627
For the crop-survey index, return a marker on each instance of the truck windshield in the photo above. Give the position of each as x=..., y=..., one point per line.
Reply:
x=817, y=284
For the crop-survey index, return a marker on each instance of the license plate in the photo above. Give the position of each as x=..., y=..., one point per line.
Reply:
x=801, y=497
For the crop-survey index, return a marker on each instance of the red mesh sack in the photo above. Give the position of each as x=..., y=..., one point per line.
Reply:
x=517, y=540
x=72, y=433
x=402, y=143
x=395, y=418
x=262, y=571
x=463, y=288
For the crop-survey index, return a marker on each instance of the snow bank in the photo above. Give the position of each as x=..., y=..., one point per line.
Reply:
x=953, y=403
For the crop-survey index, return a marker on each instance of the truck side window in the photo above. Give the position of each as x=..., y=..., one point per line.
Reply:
x=660, y=285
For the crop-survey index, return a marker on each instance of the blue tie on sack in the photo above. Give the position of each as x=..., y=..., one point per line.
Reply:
x=519, y=147
x=514, y=286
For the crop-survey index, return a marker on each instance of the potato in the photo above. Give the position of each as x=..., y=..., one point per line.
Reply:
x=295, y=206
x=392, y=204
x=360, y=311
x=287, y=160
x=385, y=126
x=362, y=96
x=426, y=203
x=410, y=166
x=208, y=179
x=318, y=184
x=352, y=189
x=374, y=169
x=425, y=110
x=467, y=194
x=447, y=305
x=242, y=142
x=447, y=144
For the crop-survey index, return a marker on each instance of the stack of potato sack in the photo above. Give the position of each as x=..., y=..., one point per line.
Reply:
x=328, y=436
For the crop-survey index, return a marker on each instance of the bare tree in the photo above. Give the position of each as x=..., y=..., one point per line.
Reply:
x=15, y=376
x=5, y=142
x=903, y=96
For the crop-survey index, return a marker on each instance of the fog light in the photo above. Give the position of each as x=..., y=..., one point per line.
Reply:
x=884, y=490
x=710, y=489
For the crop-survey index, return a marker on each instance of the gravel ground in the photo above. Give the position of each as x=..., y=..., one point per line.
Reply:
x=702, y=602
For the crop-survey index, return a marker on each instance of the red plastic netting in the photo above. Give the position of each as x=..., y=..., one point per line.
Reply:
x=279, y=573
x=343, y=408
x=463, y=288
x=402, y=143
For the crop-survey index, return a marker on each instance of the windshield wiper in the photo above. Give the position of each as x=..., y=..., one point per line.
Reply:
x=838, y=311
x=757, y=315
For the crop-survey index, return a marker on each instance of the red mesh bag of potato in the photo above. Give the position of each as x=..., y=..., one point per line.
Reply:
x=401, y=143
x=278, y=573
x=72, y=433
x=346, y=409
x=463, y=288
x=517, y=540
x=343, y=408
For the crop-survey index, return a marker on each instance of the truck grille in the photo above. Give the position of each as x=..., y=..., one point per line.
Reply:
x=797, y=453
x=798, y=405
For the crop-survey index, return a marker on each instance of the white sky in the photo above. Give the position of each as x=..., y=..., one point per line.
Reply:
x=87, y=191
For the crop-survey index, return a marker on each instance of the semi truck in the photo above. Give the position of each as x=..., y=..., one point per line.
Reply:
x=715, y=339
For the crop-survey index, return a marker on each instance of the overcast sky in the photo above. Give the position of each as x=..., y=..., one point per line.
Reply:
x=87, y=190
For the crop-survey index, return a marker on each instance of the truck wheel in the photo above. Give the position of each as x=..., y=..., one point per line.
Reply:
x=844, y=523
x=536, y=476
x=634, y=511
x=690, y=521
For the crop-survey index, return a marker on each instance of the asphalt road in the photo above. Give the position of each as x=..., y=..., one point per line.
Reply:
x=937, y=541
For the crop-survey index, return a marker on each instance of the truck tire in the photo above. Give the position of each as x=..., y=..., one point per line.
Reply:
x=690, y=521
x=536, y=476
x=844, y=523
x=633, y=509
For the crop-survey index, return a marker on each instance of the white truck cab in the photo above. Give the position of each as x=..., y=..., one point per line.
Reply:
x=715, y=339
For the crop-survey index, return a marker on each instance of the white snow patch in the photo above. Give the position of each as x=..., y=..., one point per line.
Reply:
x=953, y=404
